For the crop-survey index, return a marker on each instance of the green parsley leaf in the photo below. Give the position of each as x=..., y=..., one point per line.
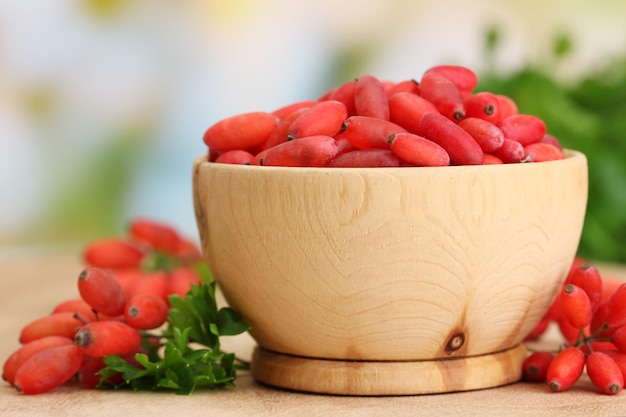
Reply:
x=230, y=323
x=187, y=355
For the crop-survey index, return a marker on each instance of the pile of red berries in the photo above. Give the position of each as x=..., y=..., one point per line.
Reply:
x=153, y=258
x=437, y=121
x=123, y=293
x=590, y=313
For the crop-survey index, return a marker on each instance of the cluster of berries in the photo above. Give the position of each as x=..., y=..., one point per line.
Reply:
x=590, y=313
x=123, y=293
x=436, y=120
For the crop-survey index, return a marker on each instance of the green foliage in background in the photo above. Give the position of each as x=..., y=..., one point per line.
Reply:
x=589, y=115
x=92, y=203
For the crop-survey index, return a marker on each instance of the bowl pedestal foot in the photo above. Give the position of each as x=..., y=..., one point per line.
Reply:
x=379, y=378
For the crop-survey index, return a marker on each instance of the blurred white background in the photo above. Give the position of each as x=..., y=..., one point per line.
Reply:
x=103, y=103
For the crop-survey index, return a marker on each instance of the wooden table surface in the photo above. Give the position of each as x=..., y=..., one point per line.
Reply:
x=32, y=281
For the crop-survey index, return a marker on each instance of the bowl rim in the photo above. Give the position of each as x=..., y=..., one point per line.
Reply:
x=571, y=156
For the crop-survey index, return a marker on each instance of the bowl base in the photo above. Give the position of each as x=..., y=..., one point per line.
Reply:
x=381, y=378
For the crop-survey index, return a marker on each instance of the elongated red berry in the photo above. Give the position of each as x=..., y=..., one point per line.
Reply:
x=565, y=369
x=620, y=359
x=310, y=151
x=26, y=351
x=404, y=86
x=484, y=105
x=524, y=128
x=616, y=308
x=247, y=131
x=366, y=158
x=604, y=373
x=536, y=365
x=488, y=136
x=368, y=132
x=324, y=118
x=510, y=152
x=464, y=78
x=460, y=145
x=101, y=291
x=406, y=110
x=542, y=152
x=444, y=94
x=113, y=253
x=236, y=157
x=587, y=277
x=146, y=311
x=370, y=98
x=599, y=326
x=154, y=234
x=59, y=324
x=618, y=338
x=48, y=369
x=418, y=150
x=345, y=93
x=576, y=306
x=108, y=337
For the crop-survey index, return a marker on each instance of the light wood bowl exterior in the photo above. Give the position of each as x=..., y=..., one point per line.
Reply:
x=391, y=264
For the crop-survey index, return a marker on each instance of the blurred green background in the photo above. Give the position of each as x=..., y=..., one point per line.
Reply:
x=103, y=103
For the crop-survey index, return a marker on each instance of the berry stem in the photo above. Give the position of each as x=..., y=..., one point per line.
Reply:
x=581, y=338
x=80, y=318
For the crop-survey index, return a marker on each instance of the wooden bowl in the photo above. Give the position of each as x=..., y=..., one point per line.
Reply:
x=390, y=281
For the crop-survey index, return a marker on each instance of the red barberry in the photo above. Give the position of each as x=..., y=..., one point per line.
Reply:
x=48, y=369
x=536, y=366
x=604, y=373
x=146, y=311
x=101, y=291
x=565, y=369
x=108, y=337
x=576, y=306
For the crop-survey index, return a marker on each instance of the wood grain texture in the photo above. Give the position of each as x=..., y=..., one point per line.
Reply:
x=378, y=378
x=393, y=264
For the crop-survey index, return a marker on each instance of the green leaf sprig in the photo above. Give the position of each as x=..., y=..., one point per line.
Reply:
x=187, y=354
